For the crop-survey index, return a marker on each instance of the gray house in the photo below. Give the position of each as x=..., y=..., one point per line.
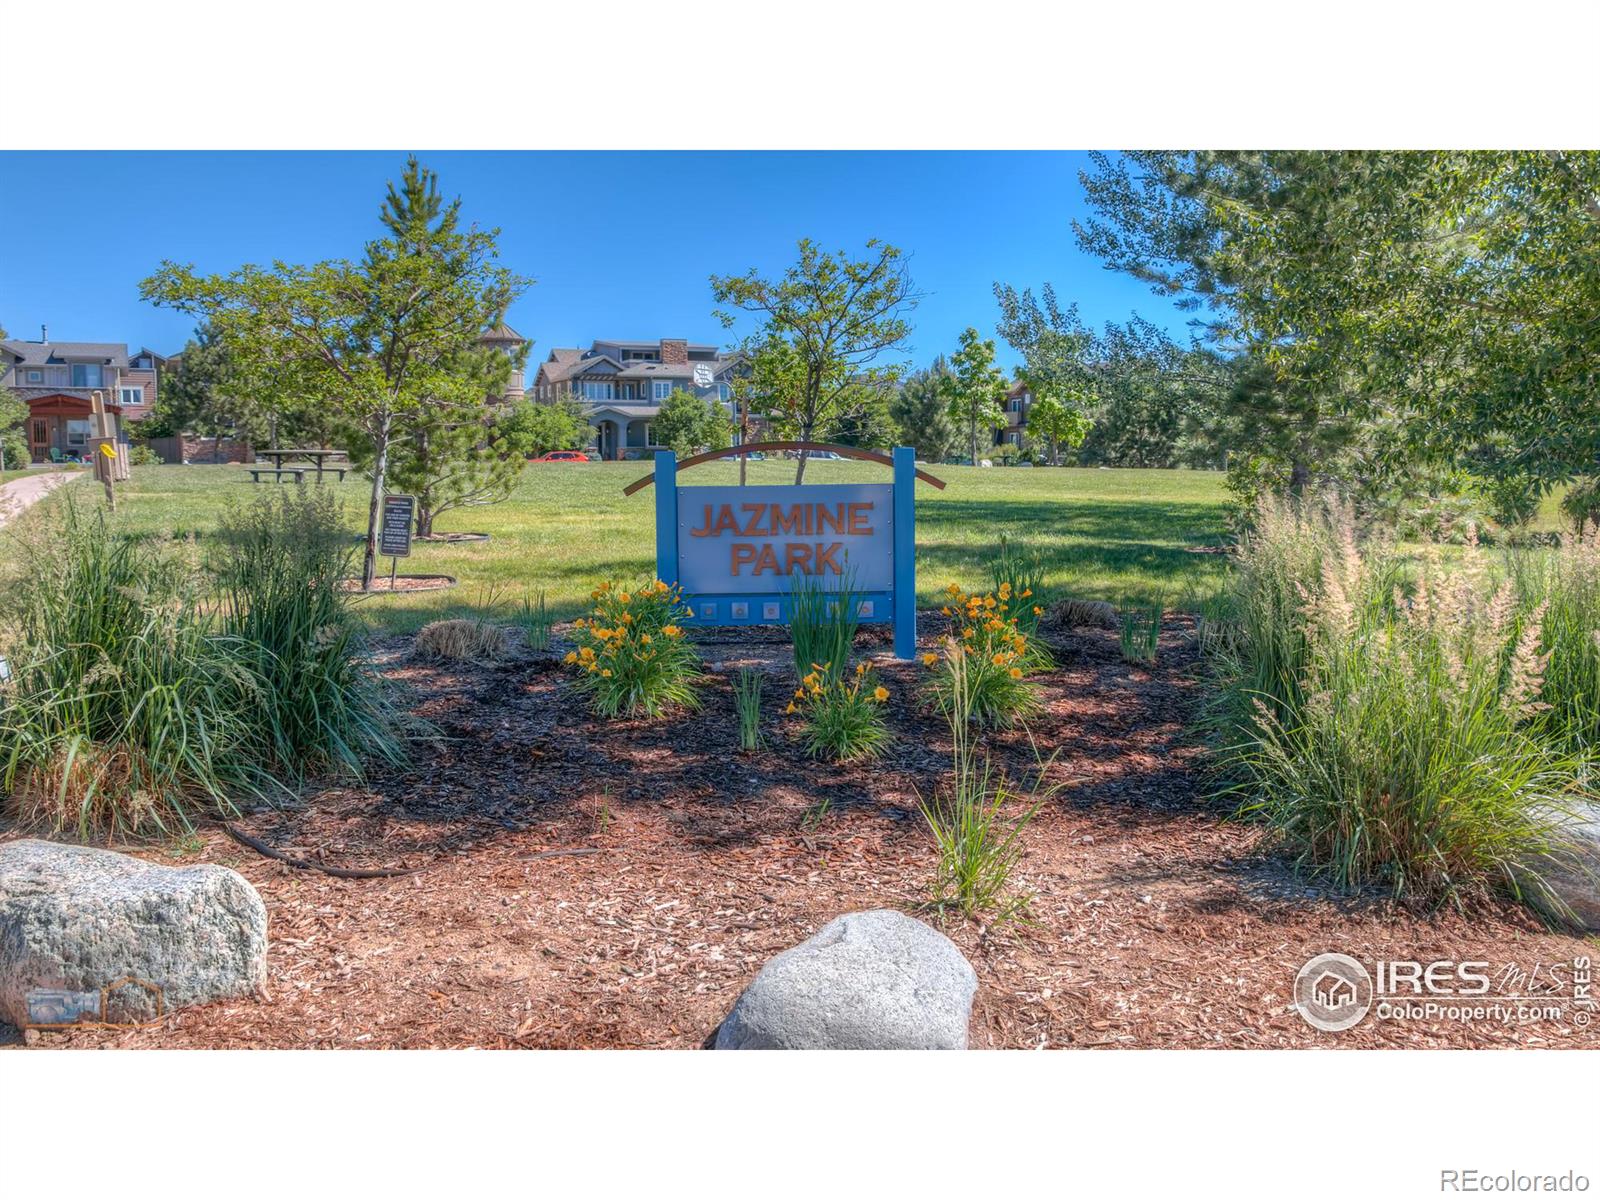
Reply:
x=622, y=385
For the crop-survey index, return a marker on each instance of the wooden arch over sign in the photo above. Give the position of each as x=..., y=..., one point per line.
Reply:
x=694, y=460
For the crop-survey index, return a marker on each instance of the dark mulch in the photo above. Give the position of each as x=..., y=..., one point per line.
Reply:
x=1155, y=921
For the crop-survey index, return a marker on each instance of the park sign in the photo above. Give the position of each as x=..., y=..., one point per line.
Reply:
x=737, y=552
x=394, y=534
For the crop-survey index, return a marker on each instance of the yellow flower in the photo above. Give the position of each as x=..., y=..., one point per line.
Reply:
x=861, y=668
x=966, y=633
x=799, y=693
x=945, y=610
x=881, y=694
x=1037, y=611
x=929, y=659
x=953, y=589
x=791, y=707
x=606, y=674
x=1005, y=591
x=1016, y=672
x=645, y=639
x=624, y=597
x=672, y=631
x=627, y=618
x=571, y=657
x=988, y=601
x=587, y=654
x=604, y=587
x=580, y=622
x=1026, y=592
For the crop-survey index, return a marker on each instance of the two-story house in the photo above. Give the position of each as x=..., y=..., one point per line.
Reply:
x=1019, y=399
x=622, y=385
x=57, y=381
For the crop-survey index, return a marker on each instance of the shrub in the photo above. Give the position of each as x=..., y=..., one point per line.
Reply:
x=1387, y=738
x=822, y=624
x=140, y=455
x=126, y=712
x=1581, y=504
x=278, y=564
x=461, y=640
x=844, y=713
x=993, y=688
x=632, y=656
x=1141, y=632
x=1018, y=575
x=747, y=687
x=978, y=845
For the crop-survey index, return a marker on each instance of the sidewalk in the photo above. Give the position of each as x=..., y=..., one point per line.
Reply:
x=23, y=493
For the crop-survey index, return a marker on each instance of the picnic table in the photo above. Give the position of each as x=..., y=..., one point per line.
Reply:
x=278, y=457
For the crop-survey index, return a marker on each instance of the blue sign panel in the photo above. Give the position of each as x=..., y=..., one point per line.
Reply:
x=737, y=551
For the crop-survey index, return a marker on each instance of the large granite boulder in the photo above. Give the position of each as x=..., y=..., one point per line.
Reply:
x=92, y=935
x=867, y=981
x=1577, y=878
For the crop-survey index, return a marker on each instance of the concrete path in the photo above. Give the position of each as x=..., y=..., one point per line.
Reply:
x=23, y=493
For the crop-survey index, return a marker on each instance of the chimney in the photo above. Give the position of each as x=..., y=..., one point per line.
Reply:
x=44, y=333
x=674, y=350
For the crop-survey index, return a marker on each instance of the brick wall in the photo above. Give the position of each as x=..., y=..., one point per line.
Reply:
x=674, y=351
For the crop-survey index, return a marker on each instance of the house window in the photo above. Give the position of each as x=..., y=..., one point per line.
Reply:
x=77, y=433
x=649, y=434
x=131, y=396
x=86, y=375
x=598, y=391
x=724, y=392
x=660, y=389
x=35, y=376
x=1016, y=406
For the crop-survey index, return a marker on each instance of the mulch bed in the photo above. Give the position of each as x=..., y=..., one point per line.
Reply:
x=402, y=583
x=1156, y=921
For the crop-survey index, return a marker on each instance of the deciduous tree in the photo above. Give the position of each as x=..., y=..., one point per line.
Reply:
x=975, y=389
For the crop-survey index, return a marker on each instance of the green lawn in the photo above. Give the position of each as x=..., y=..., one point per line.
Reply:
x=1105, y=534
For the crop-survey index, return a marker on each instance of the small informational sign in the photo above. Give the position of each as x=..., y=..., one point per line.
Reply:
x=394, y=535
x=752, y=540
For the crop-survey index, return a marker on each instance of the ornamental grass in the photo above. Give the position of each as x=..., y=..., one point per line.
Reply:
x=632, y=657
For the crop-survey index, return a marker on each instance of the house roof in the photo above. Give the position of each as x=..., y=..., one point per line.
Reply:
x=38, y=354
x=502, y=333
x=631, y=411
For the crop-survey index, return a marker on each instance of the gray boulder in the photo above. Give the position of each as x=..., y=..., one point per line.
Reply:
x=1577, y=879
x=92, y=935
x=874, y=980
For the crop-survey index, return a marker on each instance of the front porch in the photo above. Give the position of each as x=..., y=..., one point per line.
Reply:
x=59, y=427
x=623, y=431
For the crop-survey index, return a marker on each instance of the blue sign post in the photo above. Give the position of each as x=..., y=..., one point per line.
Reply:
x=735, y=551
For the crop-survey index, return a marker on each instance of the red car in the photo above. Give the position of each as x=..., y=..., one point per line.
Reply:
x=563, y=456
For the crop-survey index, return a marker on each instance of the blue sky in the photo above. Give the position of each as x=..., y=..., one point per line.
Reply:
x=620, y=244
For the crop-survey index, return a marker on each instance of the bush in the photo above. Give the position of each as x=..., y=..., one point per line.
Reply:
x=140, y=455
x=632, y=656
x=844, y=713
x=1018, y=575
x=1581, y=504
x=461, y=640
x=978, y=846
x=126, y=712
x=278, y=565
x=992, y=688
x=1390, y=739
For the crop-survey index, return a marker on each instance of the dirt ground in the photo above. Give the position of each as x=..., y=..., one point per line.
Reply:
x=1155, y=921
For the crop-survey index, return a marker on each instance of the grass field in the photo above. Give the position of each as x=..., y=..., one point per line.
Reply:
x=1105, y=534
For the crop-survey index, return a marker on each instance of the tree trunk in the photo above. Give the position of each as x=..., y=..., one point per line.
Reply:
x=380, y=464
x=1299, y=476
x=425, y=515
x=972, y=434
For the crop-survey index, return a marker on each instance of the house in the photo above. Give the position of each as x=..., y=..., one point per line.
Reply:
x=1333, y=991
x=621, y=385
x=1019, y=399
x=57, y=381
x=507, y=340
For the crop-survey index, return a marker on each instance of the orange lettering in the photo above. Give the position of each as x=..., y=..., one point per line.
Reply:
x=829, y=515
x=796, y=552
x=825, y=558
x=860, y=513
x=704, y=530
x=767, y=561
x=743, y=552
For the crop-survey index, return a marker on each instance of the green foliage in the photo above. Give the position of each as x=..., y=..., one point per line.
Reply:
x=127, y=713
x=822, y=625
x=1141, y=631
x=1512, y=501
x=1563, y=586
x=1057, y=425
x=531, y=428
x=979, y=845
x=1581, y=504
x=820, y=329
x=535, y=619
x=975, y=389
x=278, y=564
x=1386, y=739
x=869, y=426
x=992, y=687
x=140, y=455
x=1018, y=574
x=688, y=423
x=351, y=336
x=747, y=687
x=844, y=714
x=632, y=657
x=920, y=412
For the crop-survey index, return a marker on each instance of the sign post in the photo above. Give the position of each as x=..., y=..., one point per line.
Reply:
x=735, y=551
x=394, y=534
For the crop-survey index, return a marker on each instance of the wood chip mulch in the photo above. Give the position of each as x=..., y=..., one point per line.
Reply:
x=1155, y=920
